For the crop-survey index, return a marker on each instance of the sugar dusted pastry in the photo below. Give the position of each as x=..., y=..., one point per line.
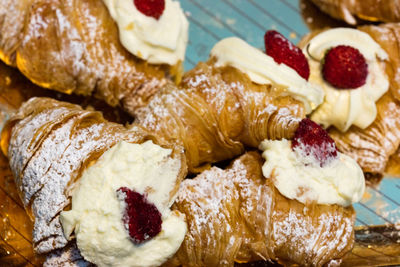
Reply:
x=55, y=147
x=359, y=79
x=100, y=194
x=110, y=49
x=371, y=10
x=96, y=196
x=238, y=215
x=229, y=103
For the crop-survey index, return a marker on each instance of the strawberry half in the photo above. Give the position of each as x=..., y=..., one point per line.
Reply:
x=314, y=141
x=345, y=67
x=283, y=51
x=142, y=219
x=151, y=8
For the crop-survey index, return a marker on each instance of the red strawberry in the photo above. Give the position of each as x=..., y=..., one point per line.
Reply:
x=283, y=51
x=313, y=140
x=151, y=8
x=142, y=218
x=345, y=67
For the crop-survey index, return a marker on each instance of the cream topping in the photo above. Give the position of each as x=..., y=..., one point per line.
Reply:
x=96, y=214
x=340, y=181
x=343, y=108
x=262, y=69
x=161, y=41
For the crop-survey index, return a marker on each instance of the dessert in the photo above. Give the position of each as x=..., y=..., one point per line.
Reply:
x=101, y=193
x=74, y=47
x=52, y=144
x=311, y=170
x=352, y=10
x=228, y=103
x=360, y=110
x=238, y=214
x=83, y=179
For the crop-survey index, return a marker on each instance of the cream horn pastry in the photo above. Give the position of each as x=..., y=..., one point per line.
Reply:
x=236, y=99
x=120, y=51
x=55, y=147
x=370, y=10
x=238, y=215
x=357, y=68
x=242, y=213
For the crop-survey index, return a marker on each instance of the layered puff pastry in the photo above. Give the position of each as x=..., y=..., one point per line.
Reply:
x=236, y=215
x=370, y=10
x=74, y=171
x=218, y=111
x=74, y=47
x=86, y=181
x=49, y=144
x=364, y=120
x=228, y=103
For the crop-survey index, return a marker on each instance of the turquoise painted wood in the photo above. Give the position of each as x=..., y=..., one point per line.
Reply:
x=212, y=20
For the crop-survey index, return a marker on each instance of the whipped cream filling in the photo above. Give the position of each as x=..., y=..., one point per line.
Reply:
x=161, y=41
x=345, y=107
x=296, y=176
x=262, y=69
x=96, y=216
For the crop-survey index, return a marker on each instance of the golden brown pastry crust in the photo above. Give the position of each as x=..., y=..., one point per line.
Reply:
x=371, y=10
x=49, y=143
x=72, y=46
x=237, y=215
x=217, y=112
x=373, y=146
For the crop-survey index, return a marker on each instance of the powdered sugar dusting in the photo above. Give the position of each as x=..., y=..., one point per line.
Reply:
x=88, y=57
x=66, y=257
x=60, y=140
x=213, y=202
x=218, y=111
x=236, y=213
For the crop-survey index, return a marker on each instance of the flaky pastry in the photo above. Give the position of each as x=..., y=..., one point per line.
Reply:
x=371, y=10
x=373, y=146
x=49, y=144
x=237, y=215
x=73, y=47
x=218, y=111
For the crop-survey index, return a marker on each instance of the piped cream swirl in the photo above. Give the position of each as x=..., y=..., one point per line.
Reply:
x=161, y=41
x=262, y=69
x=345, y=107
x=296, y=176
x=97, y=213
